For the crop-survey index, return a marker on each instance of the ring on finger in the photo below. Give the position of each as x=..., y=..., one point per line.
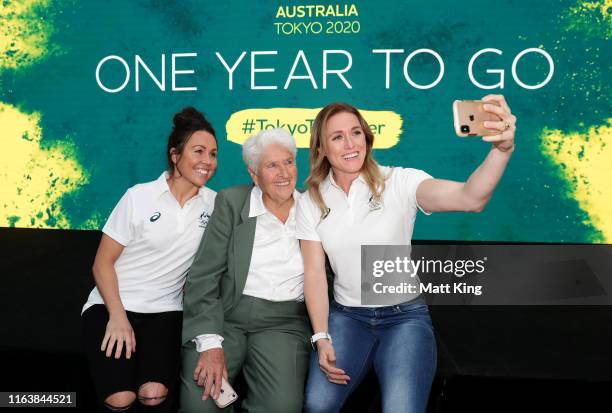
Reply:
x=506, y=126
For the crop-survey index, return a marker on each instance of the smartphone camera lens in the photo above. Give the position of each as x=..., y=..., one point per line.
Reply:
x=472, y=118
x=465, y=129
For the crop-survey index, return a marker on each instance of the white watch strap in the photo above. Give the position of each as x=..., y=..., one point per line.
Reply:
x=318, y=336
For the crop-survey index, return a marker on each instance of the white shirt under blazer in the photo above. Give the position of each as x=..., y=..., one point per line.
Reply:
x=276, y=270
x=160, y=240
x=353, y=220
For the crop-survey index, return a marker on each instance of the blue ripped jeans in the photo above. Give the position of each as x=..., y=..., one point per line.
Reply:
x=398, y=341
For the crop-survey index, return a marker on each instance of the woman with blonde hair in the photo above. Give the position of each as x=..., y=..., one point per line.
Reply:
x=353, y=201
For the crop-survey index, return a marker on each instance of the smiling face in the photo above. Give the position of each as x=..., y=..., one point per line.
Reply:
x=198, y=161
x=345, y=144
x=276, y=174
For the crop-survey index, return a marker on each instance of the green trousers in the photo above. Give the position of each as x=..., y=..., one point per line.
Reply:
x=269, y=342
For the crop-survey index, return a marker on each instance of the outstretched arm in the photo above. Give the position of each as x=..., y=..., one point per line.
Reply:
x=438, y=195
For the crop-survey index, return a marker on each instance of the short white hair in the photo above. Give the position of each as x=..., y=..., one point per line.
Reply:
x=255, y=146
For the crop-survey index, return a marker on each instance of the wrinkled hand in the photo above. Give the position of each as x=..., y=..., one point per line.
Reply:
x=209, y=371
x=504, y=141
x=119, y=333
x=327, y=363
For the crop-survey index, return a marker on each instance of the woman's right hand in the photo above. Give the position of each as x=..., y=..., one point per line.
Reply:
x=327, y=363
x=119, y=331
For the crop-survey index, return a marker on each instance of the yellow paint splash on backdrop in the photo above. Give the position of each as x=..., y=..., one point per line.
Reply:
x=34, y=177
x=591, y=18
x=585, y=160
x=24, y=32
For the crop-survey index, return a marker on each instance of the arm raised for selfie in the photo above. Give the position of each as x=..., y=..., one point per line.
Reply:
x=439, y=195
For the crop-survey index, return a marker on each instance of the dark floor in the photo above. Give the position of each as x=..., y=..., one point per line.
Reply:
x=494, y=358
x=35, y=371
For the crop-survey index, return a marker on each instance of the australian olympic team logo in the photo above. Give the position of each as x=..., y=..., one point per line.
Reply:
x=203, y=220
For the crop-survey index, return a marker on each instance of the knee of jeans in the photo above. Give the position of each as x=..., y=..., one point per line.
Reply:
x=152, y=393
x=319, y=405
x=120, y=401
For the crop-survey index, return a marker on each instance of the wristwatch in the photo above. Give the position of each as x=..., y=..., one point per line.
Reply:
x=318, y=336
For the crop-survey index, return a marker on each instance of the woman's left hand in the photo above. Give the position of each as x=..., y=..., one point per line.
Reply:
x=504, y=141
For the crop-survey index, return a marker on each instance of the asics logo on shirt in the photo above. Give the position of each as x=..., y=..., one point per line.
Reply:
x=155, y=217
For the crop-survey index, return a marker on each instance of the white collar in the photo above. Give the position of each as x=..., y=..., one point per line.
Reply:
x=161, y=186
x=257, y=206
x=329, y=180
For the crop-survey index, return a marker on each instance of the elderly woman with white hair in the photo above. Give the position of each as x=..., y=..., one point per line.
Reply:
x=244, y=307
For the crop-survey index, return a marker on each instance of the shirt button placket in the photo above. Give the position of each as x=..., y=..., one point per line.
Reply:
x=286, y=243
x=181, y=221
x=349, y=200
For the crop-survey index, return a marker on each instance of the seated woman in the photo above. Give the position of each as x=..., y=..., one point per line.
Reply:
x=244, y=306
x=147, y=246
x=353, y=201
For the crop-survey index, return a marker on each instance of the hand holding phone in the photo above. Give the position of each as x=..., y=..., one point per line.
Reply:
x=469, y=117
x=227, y=395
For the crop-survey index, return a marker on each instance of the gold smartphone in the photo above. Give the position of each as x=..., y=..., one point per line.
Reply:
x=227, y=395
x=469, y=117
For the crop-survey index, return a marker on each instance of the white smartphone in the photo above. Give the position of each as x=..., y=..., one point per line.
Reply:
x=227, y=396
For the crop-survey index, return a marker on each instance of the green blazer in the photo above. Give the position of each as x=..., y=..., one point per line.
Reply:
x=218, y=274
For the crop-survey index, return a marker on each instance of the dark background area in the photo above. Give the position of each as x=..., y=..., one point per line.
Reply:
x=498, y=358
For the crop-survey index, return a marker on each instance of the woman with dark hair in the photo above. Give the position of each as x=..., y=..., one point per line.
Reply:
x=352, y=201
x=132, y=319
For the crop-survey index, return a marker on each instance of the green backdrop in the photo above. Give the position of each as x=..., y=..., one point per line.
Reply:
x=70, y=149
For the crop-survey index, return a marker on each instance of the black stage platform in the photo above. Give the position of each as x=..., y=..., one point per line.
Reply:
x=500, y=358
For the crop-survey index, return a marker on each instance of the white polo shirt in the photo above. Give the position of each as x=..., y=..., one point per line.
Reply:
x=276, y=271
x=354, y=221
x=160, y=240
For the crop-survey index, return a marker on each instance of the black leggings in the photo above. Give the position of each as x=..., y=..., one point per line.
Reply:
x=157, y=356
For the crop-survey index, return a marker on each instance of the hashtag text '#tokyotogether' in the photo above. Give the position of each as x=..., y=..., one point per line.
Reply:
x=253, y=125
